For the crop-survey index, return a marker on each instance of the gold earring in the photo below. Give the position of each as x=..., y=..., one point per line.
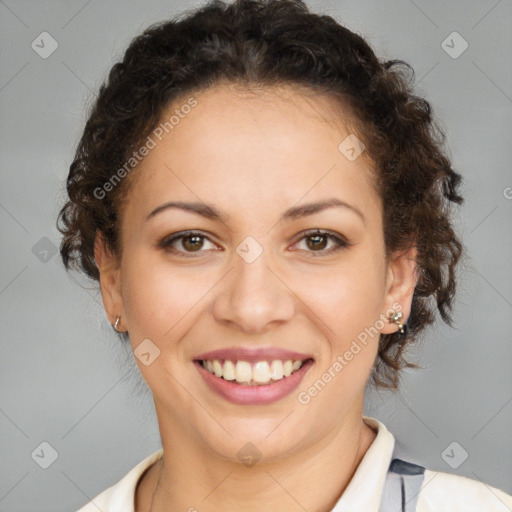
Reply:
x=117, y=322
x=395, y=317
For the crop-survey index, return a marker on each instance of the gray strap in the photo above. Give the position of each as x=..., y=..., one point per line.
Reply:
x=402, y=486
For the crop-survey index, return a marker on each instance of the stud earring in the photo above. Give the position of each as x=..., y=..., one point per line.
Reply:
x=396, y=318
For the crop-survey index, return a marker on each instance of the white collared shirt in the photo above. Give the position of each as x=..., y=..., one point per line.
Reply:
x=440, y=492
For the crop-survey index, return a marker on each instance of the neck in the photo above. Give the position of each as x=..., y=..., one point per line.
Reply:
x=312, y=479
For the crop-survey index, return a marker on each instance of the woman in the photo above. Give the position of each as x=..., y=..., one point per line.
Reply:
x=266, y=207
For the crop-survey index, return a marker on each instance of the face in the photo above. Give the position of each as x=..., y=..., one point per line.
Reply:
x=263, y=276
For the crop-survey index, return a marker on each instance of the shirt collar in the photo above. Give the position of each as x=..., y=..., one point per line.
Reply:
x=364, y=490
x=122, y=495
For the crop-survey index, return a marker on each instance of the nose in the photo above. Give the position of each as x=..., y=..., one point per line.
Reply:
x=253, y=297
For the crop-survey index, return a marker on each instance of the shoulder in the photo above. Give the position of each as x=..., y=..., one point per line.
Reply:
x=446, y=492
x=120, y=497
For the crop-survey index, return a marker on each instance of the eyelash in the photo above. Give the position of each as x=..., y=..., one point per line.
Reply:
x=340, y=242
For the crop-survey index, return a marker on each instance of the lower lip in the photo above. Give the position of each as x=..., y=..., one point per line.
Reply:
x=254, y=395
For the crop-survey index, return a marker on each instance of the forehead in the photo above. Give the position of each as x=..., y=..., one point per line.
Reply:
x=249, y=149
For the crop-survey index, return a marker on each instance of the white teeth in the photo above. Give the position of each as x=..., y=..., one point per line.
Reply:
x=276, y=370
x=229, y=371
x=260, y=372
x=243, y=371
x=217, y=368
x=287, y=368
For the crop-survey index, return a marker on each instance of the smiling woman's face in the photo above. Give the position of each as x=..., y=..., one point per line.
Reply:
x=254, y=278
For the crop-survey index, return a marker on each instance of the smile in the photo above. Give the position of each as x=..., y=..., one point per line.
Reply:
x=255, y=373
x=259, y=382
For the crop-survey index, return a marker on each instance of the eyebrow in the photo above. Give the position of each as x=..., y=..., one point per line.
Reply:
x=292, y=213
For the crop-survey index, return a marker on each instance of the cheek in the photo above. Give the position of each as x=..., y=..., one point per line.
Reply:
x=349, y=301
x=350, y=297
x=156, y=298
x=351, y=308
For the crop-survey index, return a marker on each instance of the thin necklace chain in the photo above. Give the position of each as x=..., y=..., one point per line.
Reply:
x=154, y=492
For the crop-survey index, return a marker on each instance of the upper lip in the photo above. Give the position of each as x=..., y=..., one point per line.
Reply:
x=251, y=354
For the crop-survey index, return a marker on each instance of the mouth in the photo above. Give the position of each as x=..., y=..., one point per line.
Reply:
x=258, y=382
x=253, y=373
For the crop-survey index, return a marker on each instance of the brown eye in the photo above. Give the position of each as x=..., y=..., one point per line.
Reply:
x=185, y=243
x=192, y=242
x=317, y=241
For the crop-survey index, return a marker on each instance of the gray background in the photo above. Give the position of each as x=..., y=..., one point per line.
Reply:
x=65, y=378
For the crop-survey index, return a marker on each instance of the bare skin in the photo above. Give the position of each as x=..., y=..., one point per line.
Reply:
x=253, y=156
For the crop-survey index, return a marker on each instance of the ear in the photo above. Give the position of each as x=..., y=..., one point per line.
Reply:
x=110, y=282
x=401, y=280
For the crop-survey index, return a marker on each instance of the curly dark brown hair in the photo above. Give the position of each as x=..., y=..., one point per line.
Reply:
x=269, y=43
